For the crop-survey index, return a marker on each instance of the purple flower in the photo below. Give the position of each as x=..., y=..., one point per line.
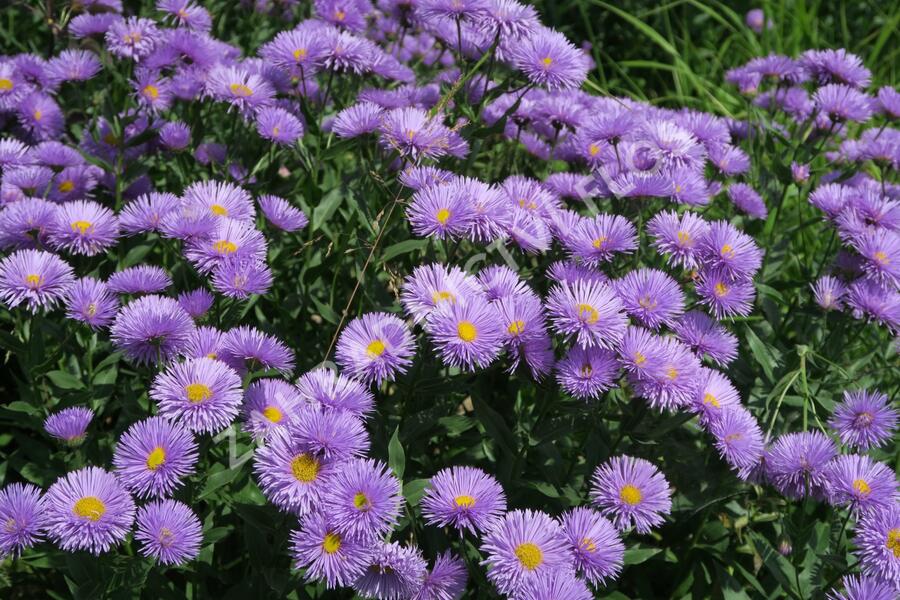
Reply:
x=632, y=492
x=169, y=531
x=599, y=239
x=40, y=279
x=729, y=251
x=243, y=90
x=797, y=463
x=174, y=136
x=500, y=281
x=246, y=348
x=589, y=311
x=524, y=546
x=756, y=20
x=335, y=436
x=73, y=65
x=239, y=278
x=587, y=372
x=889, y=101
x=41, y=116
x=326, y=554
x=842, y=103
x=86, y=24
x=229, y=238
x=595, y=544
x=467, y=334
x=375, y=347
x=880, y=251
x=465, y=498
x=550, y=60
x=714, y=395
x=435, y=285
x=291, y=477
x=145, y=213
x=348, y=53
x=335, y=392
x=363, y=497
x=878, y=544
x=269, y=404
x=829, y=292
x=525, y=336
x=88, y=510
x=222, y=199
x=90, y=301
x=667, y=377
x=413, y=134
x=836, y=66
x=133, y=38
x=24, y=518
x=196, y=303
x=747, y=200
x=151, y=329
x=70, y=424
x=723, y=296
x=278, y=125
x=738, y=438
x=445, y=581
x=394, y=572
x=491, y=213
x=651, y=297
x=84, y=227
x=440, y=211
x=142, y=279
x=357, y=119
x=864, y=419
x=300, y=51
x=860, y=587
x=282, y=214
x=800, y=172
x=25, y=223
x=349, y=14
x=875, y=301
x=861, y=482
x=202, y=394
x=706, y=337
x=560, y=584
x=153, y=455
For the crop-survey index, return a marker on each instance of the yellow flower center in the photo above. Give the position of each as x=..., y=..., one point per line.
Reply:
x=593, y=149
x=441, y=295
x=588, y=313
x=151, y=91
x=678, y=188
x=225, y=247
x=548, y=62
x=710, y=400
x=443, y=216
x=240, y=90
x=516, y=327
x=727, y=251
x=305, y=468
x=92, y=309
x=273, y=414
x=212, y=355
x=630, y=495
x=331, y=543
x=66, y=186
x=893, y=541
x=672, y=373
x=639, y=358
x=647, y=302
x=81, y=226
x=33, y=281
x=684, y=237
x=218, y=209
x=10, y=525
x=861, y=487
x=299, y=54
x=587, y=544
x=166, y=537
x=882, y=258
x=198, y=392
x=156, y=458
x=599, y=242
x=529, y=555
x=5, y=84
x=720, y=289
x=110, y=139
x=375, y=349
x=466, y=331
x=340, y=15
x=89, y=507
x=361, y=501
x=38, y=115
x=132, y=38
x=464, y=501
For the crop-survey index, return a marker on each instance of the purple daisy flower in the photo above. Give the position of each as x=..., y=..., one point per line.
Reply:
x=864, y=419
x=356, y=120
x=550, y=60
x=889, y=101
x=86, y=24
x=500, y=281
x=878, y=303
x=269, y=404
x=729, y=251
x=880, y=251
x=24, y=518
x=40, y=279
x=300, y=51
x=589, y=311
x=841, y=103
x=168, y=531
x=335, y=392
x=88, y=510
x=73, y=65
x=230, y=238
x=467, y=334
x=723, y=296
x=291, y=477
x=196, y=303
x=151, y=329
x=394, y=572
x=246, y=348
x=145, y=213
x=186, y=14
x=599, y=239
x=90, y=301
x=133, y=38
x=587, y=372
x=829, y=292
x=375, y=348
x=413, y=134
x=282, y=214
x=41, y=116
x=239, y=278
x=861, y=482
x=747, y=200
x=465, y=498
x=245, y=91
x=491, y=213
x=435, y=285
x=836, y=66
x=522, y=547
x=651, y=297
x=363, y=497
x=669, y=379
x=84, y=227
x=439, y=211
x=142, y=279
x=714, y=395
x=878, y=544
x=595, y=544
x=560, y=584
x=174, y=136
x=69, y=425
x=335, y=436
x=738, y=438
x=706, y=337
x=327, y=555
x=222, y=199
x=632, y=492
x=153, y=455
x=445, y=581
x=730, y=160
x=860, y=587
x=796, y=463
x=522, y=318
x=278, y=125
x=202, y=394
x=25, y=223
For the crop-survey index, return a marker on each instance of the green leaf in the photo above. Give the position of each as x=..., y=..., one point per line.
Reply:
x=326, y=311
x=217, y=480
x=400, y=248
x=137, y=254
x=326, y=208
x=635, y=556
x=65, y=381
x=396, y=455
x=414, y=490
x=23, y=407
x=761, y=353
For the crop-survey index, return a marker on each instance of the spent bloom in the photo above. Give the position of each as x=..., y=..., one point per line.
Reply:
x=595, y=544
x=168, y=531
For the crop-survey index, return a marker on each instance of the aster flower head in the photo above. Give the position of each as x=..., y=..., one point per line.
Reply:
x=706, y=337
x=357, y=119
x=394, y=572
x=196, y=303
x=73, y=65
x=861, y=587
x=186, y=14
x=90, y=301
x=524, y=546
x=599, y=239
x=336, y=392
x=281, y=214
x=445, y=581
x=467, y=333
x=333, y=435
x=229, y=239
x=595, y=544
x=560, y=584
x=549, y=60
x=41, y=116
x=327, y=555
x=239, y=278
x=243, y=90
x=202, y=394
x=842, y=103
x=651, y=297
x=587, y=372
x=509, y=19
x=375, y=348
x=133, y=38
x=439, y=211
x=246, y=347
x=836, y=66
x=861, y=482
x=84, y=227
x=632, y=492
x=588, y=311
x=175, y=135
x=500, y=281
x=738, y=438
x=363, y=498
x=829, y=292
x=491, y=213
x=153, y=456
x=142, y=279
x=278, y=125
x=874, y=301
x=347, y=53
x=222, y=199
x=151, y=329
x=24, y=517
x=413, y=134
x=723, y=296
x=880, y=251
x=269, y=404
x=69, y=425
x=465, y=498
x=747, y=200
x=434, y=285
x=145, y=213
x=668, y=376
x=88, y=510
x=38, y=278
x=730, y=251
x=168, y=531
x=878, y=544
x=797, y=463
x=865, y=419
